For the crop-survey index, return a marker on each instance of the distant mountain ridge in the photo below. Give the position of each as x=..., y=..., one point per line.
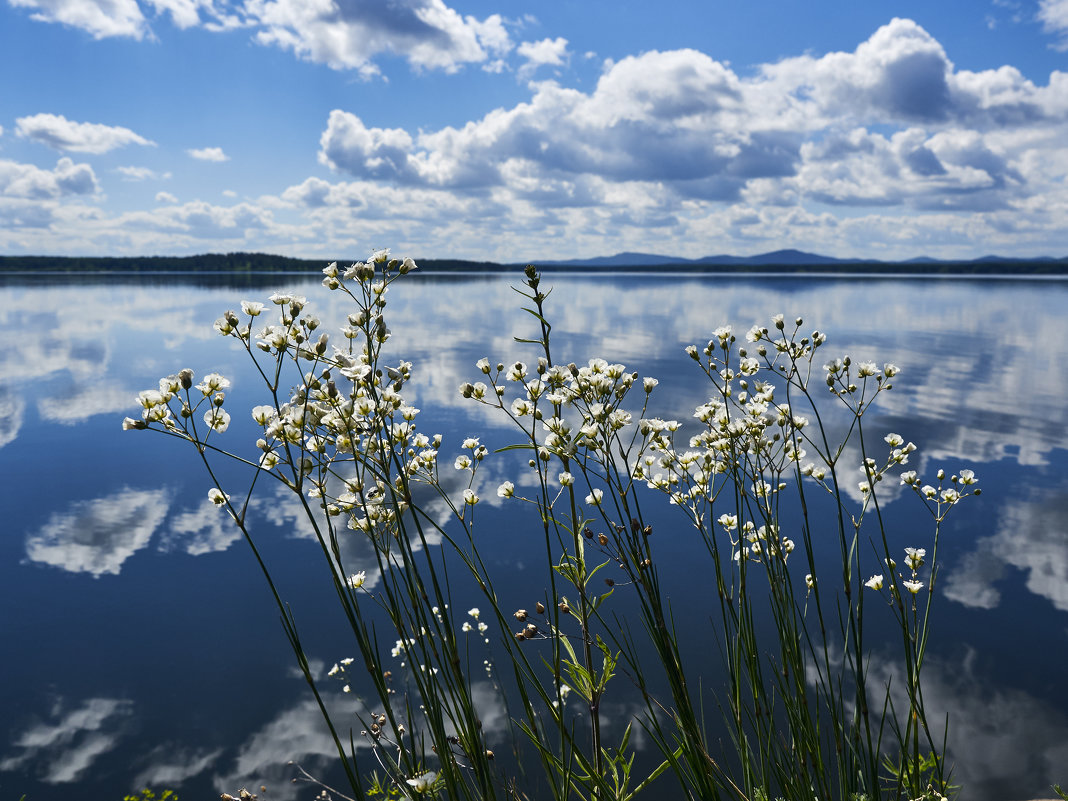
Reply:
x=777, y=261
x=788, y=257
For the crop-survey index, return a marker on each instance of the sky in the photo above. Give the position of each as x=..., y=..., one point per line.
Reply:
x=514, y=132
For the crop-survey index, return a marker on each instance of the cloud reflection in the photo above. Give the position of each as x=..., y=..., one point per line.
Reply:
x=11, y=411
x=205, y=529
x=172, y=763
x=297, y=734
x=62, y=752
x=1030, y=537
x=1004, y=742
x=85, y=401
x=98, y=536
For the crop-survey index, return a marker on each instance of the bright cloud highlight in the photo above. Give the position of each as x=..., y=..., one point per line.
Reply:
x=59, y=133
x=208, y=154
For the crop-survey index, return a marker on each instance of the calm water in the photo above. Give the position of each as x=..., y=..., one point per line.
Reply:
x=140, y=646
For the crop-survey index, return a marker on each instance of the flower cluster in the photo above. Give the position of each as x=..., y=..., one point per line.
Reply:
x=939, y=500
x=345, y=414
x=914, y=560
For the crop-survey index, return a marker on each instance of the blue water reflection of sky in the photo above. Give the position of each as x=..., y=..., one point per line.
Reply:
x=148, y=651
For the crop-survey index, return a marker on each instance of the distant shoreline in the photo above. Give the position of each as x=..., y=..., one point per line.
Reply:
x=260, y=263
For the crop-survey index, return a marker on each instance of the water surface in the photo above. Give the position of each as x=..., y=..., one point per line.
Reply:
x=140, y=643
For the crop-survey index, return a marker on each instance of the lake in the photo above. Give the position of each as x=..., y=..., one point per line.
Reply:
x=140, y=643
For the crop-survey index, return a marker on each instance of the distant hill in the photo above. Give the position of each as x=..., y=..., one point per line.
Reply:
x=790, y=261
x=789, y=257
x=779, y=258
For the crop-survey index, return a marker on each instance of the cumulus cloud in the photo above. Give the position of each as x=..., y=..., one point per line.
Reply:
x=343, y=35
x=1053, y=14
x=666, y=146
x=429, y=34
x=165, y=197
x=59, y=133
x=186, y=13
x=547, y=52
x=101, y=18
x=892, y=124
x=201, y=220
x=30, y=182
x=208, y=154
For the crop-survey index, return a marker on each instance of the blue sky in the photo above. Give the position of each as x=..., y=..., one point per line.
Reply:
x=513, y=132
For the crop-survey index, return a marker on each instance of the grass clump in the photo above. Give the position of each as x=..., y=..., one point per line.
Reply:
x=775, y=464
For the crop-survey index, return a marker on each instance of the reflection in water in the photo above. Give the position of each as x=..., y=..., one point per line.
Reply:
x=62, y=752
x=974, y=389
x=11, y=410
x=205, y=529
x=172, y=763
x=85, y=401
x=1005, y=743
x=1032, y=535
x=296, y=734
x=98, y=536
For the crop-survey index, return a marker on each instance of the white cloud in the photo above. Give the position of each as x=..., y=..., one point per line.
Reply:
x=429, y=34
x=30, y=182
x=1053, y=14
x=547, y=52
x=666, y=147
x=184, y=13
x=208, y=154
x=59, y=133
x=204, y=221
x=101, y=18
x=670, y=140
x=141, y=174
x=689, y=123
x=165, y=197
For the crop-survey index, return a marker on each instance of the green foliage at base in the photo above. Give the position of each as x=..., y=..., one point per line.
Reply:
x=148, y=795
